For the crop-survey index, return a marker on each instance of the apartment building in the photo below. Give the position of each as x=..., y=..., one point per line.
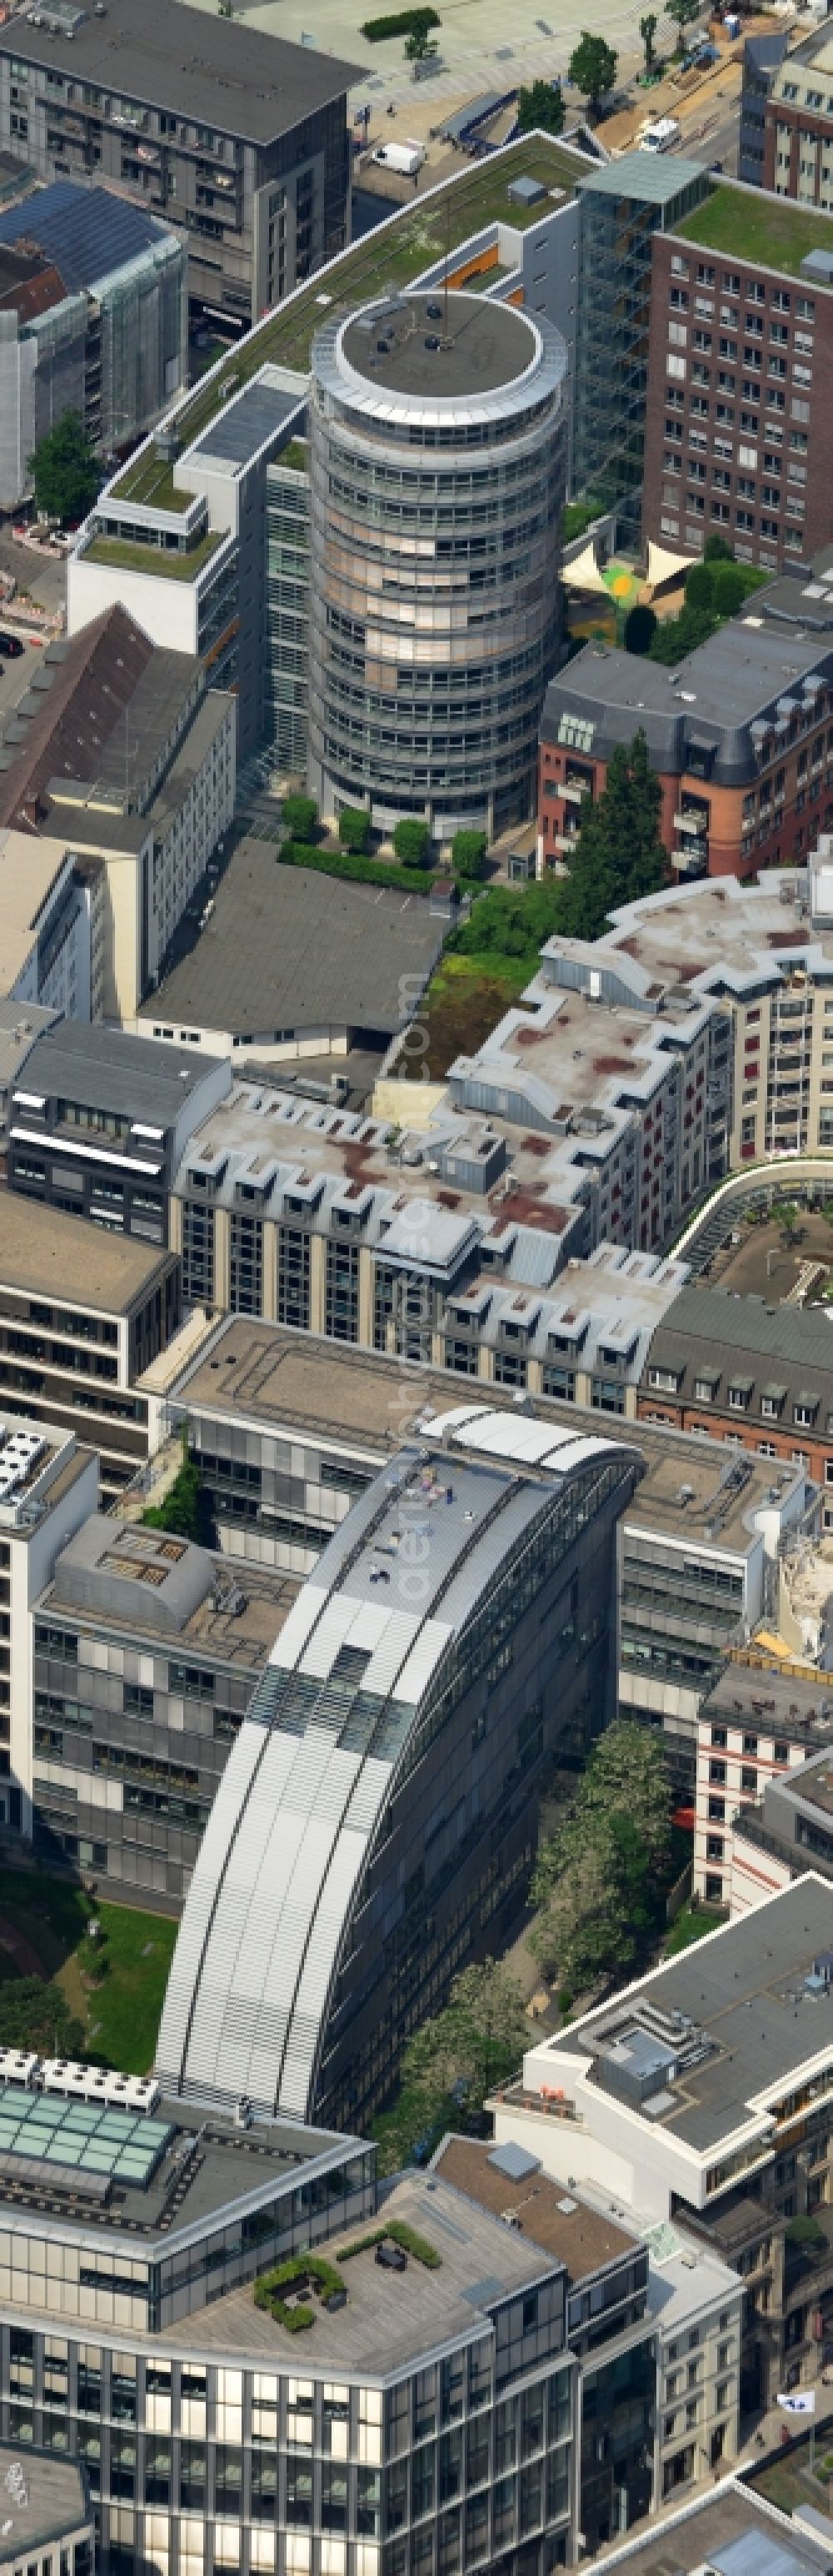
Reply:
x=81, y=1317
x=100, y=1120
x=146, y=1652
x=19, y=1027
x=743, y=1371
x=740, y=738
x=798, y=124
x=93, y=319
x=243, y=147
x=757, y=1730
x=701, y=2094
x=48, y=1487
x=738, y=389
x=123, y=755
x=51, y=931
x=761, y=955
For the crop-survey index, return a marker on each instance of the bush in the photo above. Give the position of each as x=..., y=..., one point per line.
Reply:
x=412, y=841
x=300, y=814
x=300, y=2268
x=717, y=550
x=468, y=853
x=354, y=829
x=640, y=629
x=698, y=585
x=404, y=22
x=729, y=588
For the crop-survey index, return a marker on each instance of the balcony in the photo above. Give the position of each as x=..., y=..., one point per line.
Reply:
x=690, y=858
x=693, y=819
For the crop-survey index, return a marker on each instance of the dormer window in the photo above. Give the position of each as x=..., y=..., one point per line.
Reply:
x=666, y=1380
x=740, y=1389
x=805, y=1409
x=705, y=1389
x=772, y=1402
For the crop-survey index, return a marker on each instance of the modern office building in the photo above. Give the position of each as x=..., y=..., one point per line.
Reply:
x=121, y=754
x=205, y=535
x=763, y=1756
x=427, y=671
x=81, y=1317
x=48, y=1487
x=100, y=1120
x=737, y=402
x=376, y=1819
x=700, y=2093
x=739, y=737
x=285, y=1432
x=623, y=206
x=93, y=319
x=425, y=2417
x=48, y=911
x=146, y=1652
x=737, y=1369
x=19, y=1027
x=243, y=146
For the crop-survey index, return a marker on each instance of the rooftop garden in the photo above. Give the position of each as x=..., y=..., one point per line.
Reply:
x=150, y=481
x=287, y=2292
x=772, y=232
x=388, y=258
x=164, y=560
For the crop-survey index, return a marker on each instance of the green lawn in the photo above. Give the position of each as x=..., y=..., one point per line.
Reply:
x=466, y=998
x=689, y=1925
x=152, y=559
x=749, y=224
x=151, y=480
x=43, y=1932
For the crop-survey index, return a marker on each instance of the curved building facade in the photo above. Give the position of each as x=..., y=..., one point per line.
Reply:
x=438, y=469
x=376, y=1821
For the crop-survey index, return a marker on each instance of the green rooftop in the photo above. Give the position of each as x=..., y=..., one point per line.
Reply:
x=748, y=223
x=390, y=257
x=151, y=480
x=161, y=560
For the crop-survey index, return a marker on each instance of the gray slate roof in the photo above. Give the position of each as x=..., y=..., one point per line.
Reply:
x=108, y=1069
x=233, y=78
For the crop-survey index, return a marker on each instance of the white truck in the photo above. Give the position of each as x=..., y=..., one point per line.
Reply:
x=406, y=158
x=660, y=137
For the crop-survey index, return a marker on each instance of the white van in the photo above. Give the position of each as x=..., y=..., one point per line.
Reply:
x=660, y=137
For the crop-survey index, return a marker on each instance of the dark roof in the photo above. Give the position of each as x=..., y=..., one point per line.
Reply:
x=87, y=231
x=487, y=345
x=713, y=699
x=50, y=2499
x=735, y=2532
x=290, y=948
x=741, y=1338
x=232, y=78
x=108, y=1069
x=74, y=724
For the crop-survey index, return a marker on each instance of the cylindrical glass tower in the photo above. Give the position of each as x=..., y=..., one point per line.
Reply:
x=438, y=439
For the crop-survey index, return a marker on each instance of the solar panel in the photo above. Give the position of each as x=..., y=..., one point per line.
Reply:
x=82, y=2136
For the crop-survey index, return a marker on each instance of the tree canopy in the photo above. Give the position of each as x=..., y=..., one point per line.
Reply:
x=454, y=2061
x=65, y=471
x=619, y=854
x=683, y=13
x=542, y=105
x=596, y=1878
x=592, y=69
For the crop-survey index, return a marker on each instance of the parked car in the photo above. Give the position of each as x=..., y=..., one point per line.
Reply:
x=11, y=645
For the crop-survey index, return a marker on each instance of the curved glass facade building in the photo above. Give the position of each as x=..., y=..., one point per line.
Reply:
x=438, y=465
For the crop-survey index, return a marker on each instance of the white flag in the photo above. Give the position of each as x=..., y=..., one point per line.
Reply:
x=802, y=2402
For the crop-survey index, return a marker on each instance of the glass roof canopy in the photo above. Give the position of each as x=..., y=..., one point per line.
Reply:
x=121, y=2145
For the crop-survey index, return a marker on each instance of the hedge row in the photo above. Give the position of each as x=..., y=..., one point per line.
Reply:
x=348, y=863
x=300, y=2267
x=404, y=22
x=397, y=2232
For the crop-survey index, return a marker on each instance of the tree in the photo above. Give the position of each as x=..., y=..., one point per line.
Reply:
x=593, y=69
x=647, y=29
x=468, y=853
x=300, y=814
x=354, y=828
x=683, y=12
x=412, y=841
x=419, y=46
x=619, y=855
x=452, y=2063
x=597, y=1879
x=640, y=629
x=785, y=1215
x=729, y=588
x=717, y=549
x=542, y=105
x=65, y=471
x=699, y=585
